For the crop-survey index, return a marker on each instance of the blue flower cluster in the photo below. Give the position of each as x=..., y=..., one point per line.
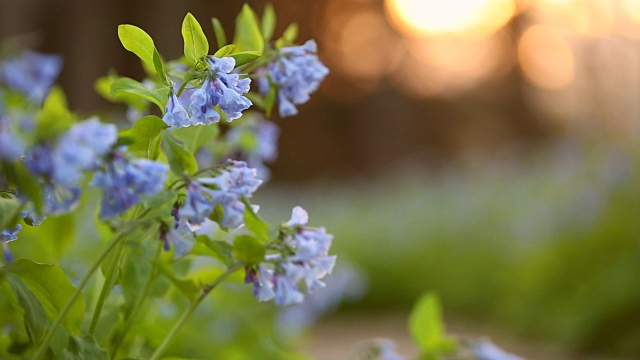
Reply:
x=297, y=72
x=124, y=181
x=179, y=236
x=62, y=163
x=31, y=73
x=221, y=88
x=305, y=259
x=7, y=236
x=226, y=190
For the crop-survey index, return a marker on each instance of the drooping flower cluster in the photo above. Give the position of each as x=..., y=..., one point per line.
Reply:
x=31, y=73
x=297, y=72
x=221, y=88
x=179, y=236
x=226, y=190
x=124, y=181
x=304, y=258
x=62, y=163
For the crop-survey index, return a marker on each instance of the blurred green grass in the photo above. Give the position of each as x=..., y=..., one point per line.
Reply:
x=547, y=247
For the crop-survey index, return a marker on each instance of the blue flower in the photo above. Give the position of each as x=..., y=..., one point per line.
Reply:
x=31, y=73
x=255, y=140
x=124, y=181
x=7, y=236
x=235, y=181
x=10, y=145
x=305, y=259
x=180, y=237
x=486, y=350
x=175, y=114
x=297, y=72
x=221, y=88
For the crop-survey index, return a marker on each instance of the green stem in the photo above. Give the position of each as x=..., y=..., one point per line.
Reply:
x=106, y=289
x=47, y=340
x=194, y=305
x=135, y=311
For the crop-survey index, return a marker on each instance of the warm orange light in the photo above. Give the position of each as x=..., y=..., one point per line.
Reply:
x=425, y=17
x=545, y=58
x=632, y=9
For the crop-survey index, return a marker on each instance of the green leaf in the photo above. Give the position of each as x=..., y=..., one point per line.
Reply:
x=427, y=328
x=154, y=147
x=245, y=57
x=270, y=101
x=255, y=224
x=196, y=45
x=187, y=286
x=219, y=249
x=85, y=347
x=221, y=36
x=268, y=24
x=137, y=41
x=248, y=249
x=128, y=85
x=288, y=36
x=224, y=51
x=55, y=117
x=180, y=159
x=159, y=67
x=248, y=36
x=103, y=87
x=49, y=286
x=196, y=136
x=143, y=133
x=8, y=211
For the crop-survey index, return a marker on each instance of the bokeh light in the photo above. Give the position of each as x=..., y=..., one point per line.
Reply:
x=428, y=17
x=632, y=9
x=546, y=58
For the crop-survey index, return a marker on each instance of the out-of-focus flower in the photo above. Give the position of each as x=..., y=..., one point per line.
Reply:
x=31, y=73
x=124, y=181
x=256, y=142
x=297, y=72
x=7, y=236
x=486, y=350
x=178, y=236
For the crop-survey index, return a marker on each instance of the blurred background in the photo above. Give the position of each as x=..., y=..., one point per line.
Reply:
x=483, y=149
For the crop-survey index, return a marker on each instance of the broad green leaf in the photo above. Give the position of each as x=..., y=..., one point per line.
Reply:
x=270, y=101
x=255, y=224
x=180, y=159
x=128, y=85
x=195, y=42
x=221, y=36
x=288, y=36
x=224, y=51
x=134, y=274
x=196, y=137
x=220, y=249
x=137, y=41
x=8, y=211
x=427, y=328
x=187, y=286
x=85, y=347
x=248, y=36
x=49, y=286
x=159, y=67
x=143, y=133
x=245, y=57
x=103, y=87
x=268, y=24
x=248, y=249
x=55, y=117
x=154, y=147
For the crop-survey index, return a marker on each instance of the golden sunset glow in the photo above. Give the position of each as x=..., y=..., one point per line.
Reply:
x=545, y=58
x=632, y=9
x=429, y=17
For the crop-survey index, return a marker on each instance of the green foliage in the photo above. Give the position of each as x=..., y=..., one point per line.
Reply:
x=248, y=37
x=138, y=42
x=426, y=326
x=196, y=45
x=289, y=36
x=255, y=224
x=268, y=23
x=55, y=117
x=221, y=36
x=216, y=248
x=42, y=291
x=248, y=249
x=128, y=85
x=84, y=347
x=181, y=161
x=143, y=133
